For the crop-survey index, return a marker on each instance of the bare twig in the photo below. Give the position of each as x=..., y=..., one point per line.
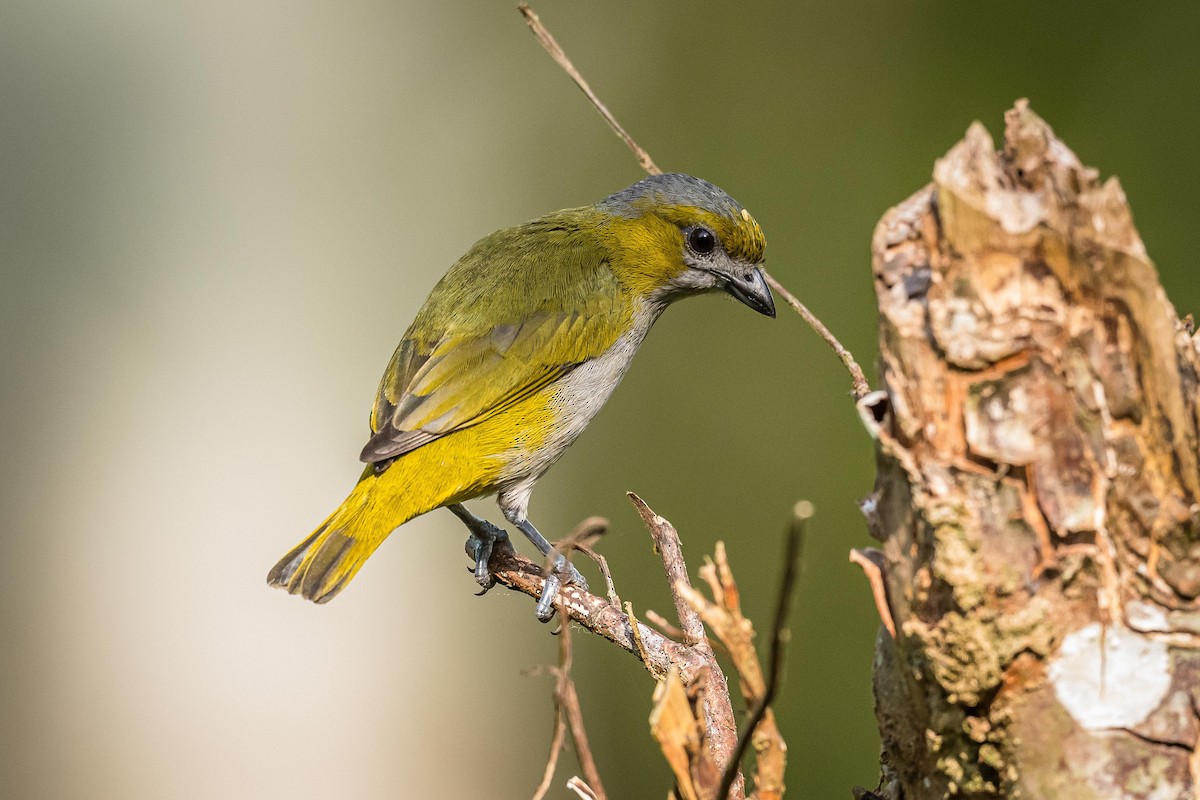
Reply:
x=634, y=628
x=663, y=624
x=779, y=634
x=859, y=382
x=560, y=57
x=602, y=563
x=556, y=743
x=666, y=543
x=568, y=700
x=580, y=538
x=568, y=716
x=871, y=561
x=585, y=534
x=582, y=789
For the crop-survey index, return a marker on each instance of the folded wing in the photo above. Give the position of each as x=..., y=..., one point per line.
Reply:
x=471, y=355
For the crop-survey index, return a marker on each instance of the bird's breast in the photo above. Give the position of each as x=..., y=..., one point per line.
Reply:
x=573, y=400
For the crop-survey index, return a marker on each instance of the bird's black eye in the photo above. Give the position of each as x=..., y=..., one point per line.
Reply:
x=702, y=241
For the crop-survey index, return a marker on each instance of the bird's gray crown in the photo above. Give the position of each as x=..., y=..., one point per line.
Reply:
x=673, y=188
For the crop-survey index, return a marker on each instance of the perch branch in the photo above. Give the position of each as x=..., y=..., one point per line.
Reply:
x=694, y=665
x=597, y=615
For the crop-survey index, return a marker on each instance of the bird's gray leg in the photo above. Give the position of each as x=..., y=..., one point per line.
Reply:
x=484, y=536
x=564, y=571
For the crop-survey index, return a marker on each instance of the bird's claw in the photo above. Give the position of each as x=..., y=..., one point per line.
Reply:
x=480, y=549
x=564, y=572
x=484, y=585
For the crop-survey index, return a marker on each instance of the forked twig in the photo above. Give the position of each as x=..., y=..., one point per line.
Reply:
x=568, y=717
x=715, y=711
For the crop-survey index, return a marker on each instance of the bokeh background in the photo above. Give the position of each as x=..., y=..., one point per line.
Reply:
x=216, y=219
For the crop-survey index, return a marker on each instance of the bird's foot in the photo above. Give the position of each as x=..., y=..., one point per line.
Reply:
x=479, y=546
x=564, y=572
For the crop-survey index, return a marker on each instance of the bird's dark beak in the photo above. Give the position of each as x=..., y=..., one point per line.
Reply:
x=752, y=290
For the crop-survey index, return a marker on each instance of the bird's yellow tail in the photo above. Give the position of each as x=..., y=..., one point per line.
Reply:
x=321, y=566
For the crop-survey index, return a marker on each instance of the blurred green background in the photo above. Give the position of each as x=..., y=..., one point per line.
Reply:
x=217, y=219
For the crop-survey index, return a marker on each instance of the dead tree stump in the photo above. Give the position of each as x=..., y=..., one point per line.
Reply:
x=1038, y=489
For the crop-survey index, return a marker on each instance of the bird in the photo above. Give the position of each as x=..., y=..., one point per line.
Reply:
x=513, y=353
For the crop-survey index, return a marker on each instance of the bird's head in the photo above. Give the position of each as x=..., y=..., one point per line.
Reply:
x=674, y=235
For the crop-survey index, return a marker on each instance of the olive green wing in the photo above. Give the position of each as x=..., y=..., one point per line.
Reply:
x=477, y=347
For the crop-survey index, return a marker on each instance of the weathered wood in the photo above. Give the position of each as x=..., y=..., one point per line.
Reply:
x=1038, y=488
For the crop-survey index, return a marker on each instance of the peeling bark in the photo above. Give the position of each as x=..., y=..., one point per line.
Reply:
x=1038, y=489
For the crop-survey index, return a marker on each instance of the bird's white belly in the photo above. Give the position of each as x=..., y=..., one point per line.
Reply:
x=578, y=397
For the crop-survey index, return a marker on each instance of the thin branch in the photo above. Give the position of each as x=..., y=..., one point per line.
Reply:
x=663, y=624
x=666, y=543
x=568, y=702
x=858, y=380
x=871, y=562
x=634, y=628
x=779, y=634
x=602, y=563
x=568, y=715
x=580, y=788
x=581, y=538
x=560, y=57
x=556, y=743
